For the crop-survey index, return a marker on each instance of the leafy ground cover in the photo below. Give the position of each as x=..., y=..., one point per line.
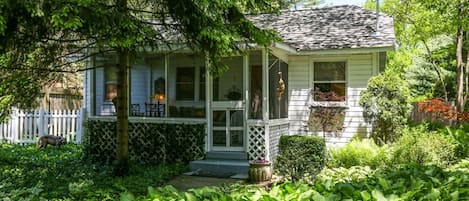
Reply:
x=61, y=174
x=407, y=182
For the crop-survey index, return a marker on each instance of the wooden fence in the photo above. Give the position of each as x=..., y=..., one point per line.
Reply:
x=419, y=115
x=25, y=127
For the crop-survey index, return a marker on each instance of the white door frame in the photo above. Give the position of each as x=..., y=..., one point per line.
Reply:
x=226, y=105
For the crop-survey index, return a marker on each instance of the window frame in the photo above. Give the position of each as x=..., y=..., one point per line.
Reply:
x=312, y=81
x=197, y=84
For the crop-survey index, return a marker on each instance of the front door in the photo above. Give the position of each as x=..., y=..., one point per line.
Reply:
x=228, y=108
x=228, y=126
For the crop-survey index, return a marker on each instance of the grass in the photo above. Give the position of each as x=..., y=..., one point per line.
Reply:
x=60, y=174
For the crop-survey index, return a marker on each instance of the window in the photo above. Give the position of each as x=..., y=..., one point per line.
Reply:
x=382, y=61
x=110, y=83
x=185, y=79
x=329, y=80
x=202, y=83
x=186, y=89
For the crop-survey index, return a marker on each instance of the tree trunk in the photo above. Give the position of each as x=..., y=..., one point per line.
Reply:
x=466, y=76
x=122, y=145
x=460, y=96
x=436, y=68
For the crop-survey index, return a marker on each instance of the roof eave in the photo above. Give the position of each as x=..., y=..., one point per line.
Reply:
x=292, y=51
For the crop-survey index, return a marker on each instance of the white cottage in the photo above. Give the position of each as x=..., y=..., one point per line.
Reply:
x=245, y=111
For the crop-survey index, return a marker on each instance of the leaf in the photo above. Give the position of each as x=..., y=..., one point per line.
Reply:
x=434, y=195
x=190, y=196
x=127, y=196
x=383, y=183
x=365, y=195
x=317, y=196
x=345, y=188
x=455, y=195
x=378, y=195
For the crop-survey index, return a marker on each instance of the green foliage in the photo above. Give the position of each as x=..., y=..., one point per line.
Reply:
x=428, y=64
x=27, y=173
x=417, y=145
x=301, y=156
x=419, y=27
x=342, y=174
x=40, y=38
x=386, y=106
x=460, y=138
x=410, y=182
x=359, y=153
x=148, y=142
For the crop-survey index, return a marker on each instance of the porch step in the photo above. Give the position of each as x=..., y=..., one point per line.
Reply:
x=227, y=155
x=219, y=167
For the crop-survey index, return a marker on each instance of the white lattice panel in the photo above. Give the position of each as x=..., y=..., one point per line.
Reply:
x=256, y=142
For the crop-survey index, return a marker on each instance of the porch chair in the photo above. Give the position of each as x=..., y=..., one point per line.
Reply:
x=135, y=110
x=151, y=109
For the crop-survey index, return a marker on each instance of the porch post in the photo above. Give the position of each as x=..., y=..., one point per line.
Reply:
x=208, y=101
x=247, y=104
x=265, y=99
x=166, y=66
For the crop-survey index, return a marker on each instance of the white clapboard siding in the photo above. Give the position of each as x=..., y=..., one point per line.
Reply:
x=99, y=91
x=359, y=71
x=25, y=127
x=139, y=86
x=87, y=89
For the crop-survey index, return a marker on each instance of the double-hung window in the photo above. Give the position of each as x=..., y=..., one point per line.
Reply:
x=330, y=78
x=190, y=83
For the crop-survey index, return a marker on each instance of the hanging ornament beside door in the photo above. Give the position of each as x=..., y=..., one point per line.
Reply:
x=281, y=86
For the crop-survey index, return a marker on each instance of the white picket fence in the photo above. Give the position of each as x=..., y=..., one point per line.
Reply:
x=25, y=127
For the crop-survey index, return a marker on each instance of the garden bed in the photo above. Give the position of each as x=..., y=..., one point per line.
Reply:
x=60, y=174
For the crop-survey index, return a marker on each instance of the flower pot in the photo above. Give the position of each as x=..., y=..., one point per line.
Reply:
x=259, y=172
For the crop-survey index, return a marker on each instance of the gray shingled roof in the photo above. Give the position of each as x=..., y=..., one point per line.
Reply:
x=335, y=27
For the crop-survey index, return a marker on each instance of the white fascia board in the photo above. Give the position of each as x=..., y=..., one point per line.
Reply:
x=292, y=51
x=346, y=51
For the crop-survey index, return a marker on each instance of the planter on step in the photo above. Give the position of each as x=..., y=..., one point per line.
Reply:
x=260, y=171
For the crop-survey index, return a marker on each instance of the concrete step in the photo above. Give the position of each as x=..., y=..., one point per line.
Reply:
x=219, y=167
x=227, y=155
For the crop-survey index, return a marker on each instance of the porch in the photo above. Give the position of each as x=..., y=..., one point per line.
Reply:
x=243, y=110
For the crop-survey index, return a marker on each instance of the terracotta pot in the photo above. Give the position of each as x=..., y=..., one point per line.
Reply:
x=259, y=172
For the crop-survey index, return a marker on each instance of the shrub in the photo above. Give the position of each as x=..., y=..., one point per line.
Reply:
x=417, y=145
x=386, y=106
x=359, y=153
x=301, y=156
x=460, y=137
x=342, y=174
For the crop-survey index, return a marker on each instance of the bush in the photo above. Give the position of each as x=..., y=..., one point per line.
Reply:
x=417, y=145
x=359, y=153
x=341, y=174
x=386, y=106
x=301, y=156
x=460, y=137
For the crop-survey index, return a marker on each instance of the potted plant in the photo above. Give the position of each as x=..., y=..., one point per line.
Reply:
x=260, y=170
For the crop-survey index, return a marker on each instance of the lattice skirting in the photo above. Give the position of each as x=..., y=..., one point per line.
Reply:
x=256, y=142
x=148, y=142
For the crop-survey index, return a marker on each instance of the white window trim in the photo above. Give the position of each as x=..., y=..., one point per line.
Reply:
x=312, y=82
